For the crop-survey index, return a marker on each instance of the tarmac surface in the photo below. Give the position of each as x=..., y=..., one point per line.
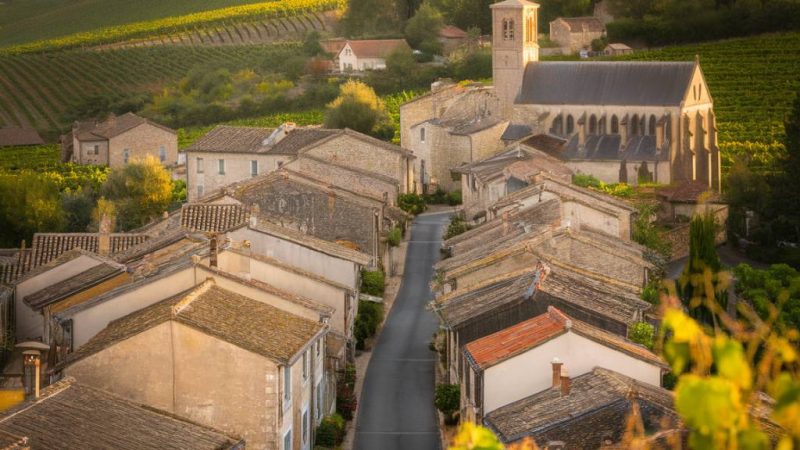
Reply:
x=396, y=406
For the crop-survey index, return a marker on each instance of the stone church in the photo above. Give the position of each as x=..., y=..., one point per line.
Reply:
x=620, y=121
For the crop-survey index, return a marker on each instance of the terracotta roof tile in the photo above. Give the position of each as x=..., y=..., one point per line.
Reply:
x=111, y=127
x=71, y=285
x=72, y=415
x=212, y=217
x=232, y=139
x=688, y=192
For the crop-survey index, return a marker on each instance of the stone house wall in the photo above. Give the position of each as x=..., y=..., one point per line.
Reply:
x=346, y=179
x=573, y=41
x=85, y=153
x=237, y=168
x=142, y=141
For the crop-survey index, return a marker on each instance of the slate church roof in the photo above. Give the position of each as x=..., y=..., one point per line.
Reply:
x=629, y=83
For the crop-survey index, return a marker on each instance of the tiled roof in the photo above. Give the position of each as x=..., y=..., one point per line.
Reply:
x=111, y=127
x=19, y=136
x=231, y=317
x=589, y=393
x=376, y=48
x=321, y=245
x=688, y=192
x=490, y=350
x=498, y=347
x=606, y=83
x=546, y=143
x=466, y=127
x=231, y=139
x=333, y=46
x=516, y=162
x=70, y=415
x=515, y=132
x=48, y=246
x=212, y=217
x=581, y=24
x=452, y=32
x=84, y=280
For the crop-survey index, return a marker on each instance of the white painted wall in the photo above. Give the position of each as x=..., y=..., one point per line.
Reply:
x=531, y=372
x=336, y=269
x=30, y=323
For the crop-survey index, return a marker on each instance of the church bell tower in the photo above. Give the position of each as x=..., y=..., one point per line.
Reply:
x=514, y=45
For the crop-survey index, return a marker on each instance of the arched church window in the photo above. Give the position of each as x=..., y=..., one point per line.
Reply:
x=614, y=124
x=635, y=125
x=558, y=126
x=570, y=124
x=601, y=125
x=651, y=127
x=643, y=125
x=593, y=124
x=508, y=29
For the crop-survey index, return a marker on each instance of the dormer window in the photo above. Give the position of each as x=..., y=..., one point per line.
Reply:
x=508, y=29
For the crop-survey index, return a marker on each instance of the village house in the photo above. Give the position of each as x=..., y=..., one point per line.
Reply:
x=617, y=49
x=238, y=364
x=119, y=140
x=576, y=33
x=451, y=38
x=588, y=411
x=494, y=304
x=229, y=154
x=450, y=127
x=70, y=414
x=368, y=54
x=485, y=182
x=511, y=364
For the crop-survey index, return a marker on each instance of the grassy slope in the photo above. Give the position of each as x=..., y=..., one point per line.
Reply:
x=29, y=20
x=753, y=82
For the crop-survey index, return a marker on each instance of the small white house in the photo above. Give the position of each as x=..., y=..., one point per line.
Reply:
x=521, y=360
x=368, y=54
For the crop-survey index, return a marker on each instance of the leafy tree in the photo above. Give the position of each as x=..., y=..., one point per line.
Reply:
x=140, y=191
x=357, y=108
x=371, y=17
x=786, y=190
x=772, y=292
x=471, y=64
x=311, y=46
x=422, y=30
x=702, y=284
x=447, y=400
x=634, y=9
x=466, y=14
x=78, y=206
x=553, y=9
x=30, y=203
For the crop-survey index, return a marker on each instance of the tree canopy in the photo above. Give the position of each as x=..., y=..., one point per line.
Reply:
x=140, y=191
x=357, y=107
x=422, y=30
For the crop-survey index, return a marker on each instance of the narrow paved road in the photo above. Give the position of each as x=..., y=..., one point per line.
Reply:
x=396, y=409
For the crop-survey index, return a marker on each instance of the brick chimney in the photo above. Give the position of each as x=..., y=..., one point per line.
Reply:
x=556, y=363
x=566, y=382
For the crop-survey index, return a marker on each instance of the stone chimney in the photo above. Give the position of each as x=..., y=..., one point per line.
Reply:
x=281, y=132
x=566, y=382
x=213, y=250
x=104, y=236
x=557, y=364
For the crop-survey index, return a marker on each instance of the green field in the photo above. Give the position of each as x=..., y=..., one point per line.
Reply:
x=37, y=89
x=23, y=21
x=753, y=82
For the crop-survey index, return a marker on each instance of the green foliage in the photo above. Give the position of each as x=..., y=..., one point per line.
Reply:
x=422, y=30
x=457, y=226
x=470, y=64
x=394, y=237
x=373, y=282
x=439, y=197
x=646, y=233
x=412, y=203
x=30, y=203
x=368, y=319
x=447, y=398
x=311, y=46
x=553, y=9
x=775, y=291
x=642, y=333
x=622, y=190
x=651, y=293
x=701, y=282
x=466, y=14
x=371, y=17
x=78, y=206
x=346, y=400
x=330, y=431
x=140, y=191
x=454, y=198
x=598, y=45
x=178, y=194
x=357, y=108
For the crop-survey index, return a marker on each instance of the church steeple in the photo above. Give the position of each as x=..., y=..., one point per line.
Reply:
x=514, y=45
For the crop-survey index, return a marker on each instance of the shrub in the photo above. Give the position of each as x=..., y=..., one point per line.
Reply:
x=411, y=203
x=650, y=293
x=457, y=226
x=447, y=400
x=394, y=237
x=642, y=333
x=454, y=198
x=437, y=198
x=373, y=282
x=369, y=317
x=330, y=431
x=346, y=401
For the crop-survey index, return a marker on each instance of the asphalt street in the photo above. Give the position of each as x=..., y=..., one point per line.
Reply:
x=396, y=409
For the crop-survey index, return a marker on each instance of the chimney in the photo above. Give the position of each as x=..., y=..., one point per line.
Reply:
x=566, y=383
x=281, y=132
x=254, y=210
x=556, y=363
x=212, y=244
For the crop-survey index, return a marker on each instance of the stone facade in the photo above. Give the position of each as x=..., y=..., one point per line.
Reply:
x=514, y=45
x=119, y=140
x=574, y=34
x=371, y=185
x=204, y=175
x=141, y=142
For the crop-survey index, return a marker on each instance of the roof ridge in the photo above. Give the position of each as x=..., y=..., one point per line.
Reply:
x=188, y=299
